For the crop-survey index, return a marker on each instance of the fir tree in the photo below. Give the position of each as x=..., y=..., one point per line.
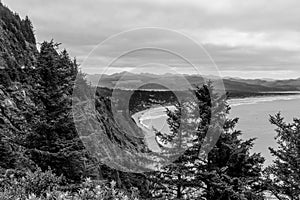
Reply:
x=228, y=172
x=54, y=142
x=283, y=177
x=27, y=30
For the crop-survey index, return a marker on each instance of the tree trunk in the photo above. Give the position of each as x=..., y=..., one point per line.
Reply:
x=179, y=194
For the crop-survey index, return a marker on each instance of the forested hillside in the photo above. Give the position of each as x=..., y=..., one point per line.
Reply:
x=42, y=157
x=18, y=57
x=37, y=128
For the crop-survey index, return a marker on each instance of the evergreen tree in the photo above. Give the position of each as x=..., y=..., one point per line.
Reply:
x=54, y=142
x=228, y=172
x=283, y=177
x=27, y=30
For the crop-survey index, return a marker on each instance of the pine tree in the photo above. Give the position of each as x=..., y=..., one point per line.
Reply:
x=283, y=177
x=228, y=172
x=27, y=30
x=54, y=142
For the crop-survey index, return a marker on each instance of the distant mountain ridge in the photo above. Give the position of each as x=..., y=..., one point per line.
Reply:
x=128, y=80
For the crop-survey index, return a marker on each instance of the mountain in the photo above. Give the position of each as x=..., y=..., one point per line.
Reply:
x=289, y=84
x=127, y=80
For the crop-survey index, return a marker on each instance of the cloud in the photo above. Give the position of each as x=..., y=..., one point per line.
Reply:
x=257, y=35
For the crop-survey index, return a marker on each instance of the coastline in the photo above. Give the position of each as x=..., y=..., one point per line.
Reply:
x=261, y=107
x=137, y=116
x=150, y=138
x=149, y=135
x=237, y=101
x=263, y=98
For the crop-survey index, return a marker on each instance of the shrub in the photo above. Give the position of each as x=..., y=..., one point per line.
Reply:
x=41, y=185
x=20, y=185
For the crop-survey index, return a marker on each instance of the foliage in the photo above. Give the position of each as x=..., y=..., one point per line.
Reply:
x=7, y=155
x=54, y=141
x=22, y=29
x=228, y=172
x=21, y=184
x=40, y=185
x=17, y=47
x=283, y=177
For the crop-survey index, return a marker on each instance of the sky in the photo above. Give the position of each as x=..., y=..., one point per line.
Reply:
x=247, y=39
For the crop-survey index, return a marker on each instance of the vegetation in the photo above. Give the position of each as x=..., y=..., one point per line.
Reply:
x=42, y=157
x=17, y=47
x=53, y=141
x=228, y=172
x=283, y=177
x=40, y=185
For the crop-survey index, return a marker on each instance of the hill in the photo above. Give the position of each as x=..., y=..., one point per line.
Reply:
x=36, y=124
x=235, y=86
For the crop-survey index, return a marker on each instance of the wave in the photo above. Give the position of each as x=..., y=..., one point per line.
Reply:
x=255, y=100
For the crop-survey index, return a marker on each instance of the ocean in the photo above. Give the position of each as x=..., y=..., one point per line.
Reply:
x=253, y=114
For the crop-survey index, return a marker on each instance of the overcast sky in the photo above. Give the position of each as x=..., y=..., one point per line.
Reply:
x=257, y=38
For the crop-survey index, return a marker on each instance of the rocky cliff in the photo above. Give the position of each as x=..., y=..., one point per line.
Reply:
x=18, y=101
x=17, y=59
x=15, y=107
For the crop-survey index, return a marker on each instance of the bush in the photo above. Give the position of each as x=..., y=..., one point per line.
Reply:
x=40, y=185
x=20, y=185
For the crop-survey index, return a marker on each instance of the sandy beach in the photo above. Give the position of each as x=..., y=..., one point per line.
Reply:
x=150, y=114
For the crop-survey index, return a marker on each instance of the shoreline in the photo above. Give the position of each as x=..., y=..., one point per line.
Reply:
x=150, y=138
x=243, y=95
x=264, y=98
x=244, y=125
x=137, y=116
x=231, y=101
x=149, y=135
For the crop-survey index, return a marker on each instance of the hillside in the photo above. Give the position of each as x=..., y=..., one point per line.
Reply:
x=17, y=47
x=61, y=138
x=18, y=55
x=235, y=87
x=289, y=84
x=36, y=125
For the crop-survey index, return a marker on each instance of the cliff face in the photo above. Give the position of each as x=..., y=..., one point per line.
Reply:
x=17, y=58
x=15, y=104
x=18, y=103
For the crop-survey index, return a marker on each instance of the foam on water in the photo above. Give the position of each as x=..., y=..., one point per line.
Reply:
x=254, y=100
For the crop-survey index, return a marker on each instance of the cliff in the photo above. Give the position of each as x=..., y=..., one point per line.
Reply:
x=17, y=58
x=23, y=107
